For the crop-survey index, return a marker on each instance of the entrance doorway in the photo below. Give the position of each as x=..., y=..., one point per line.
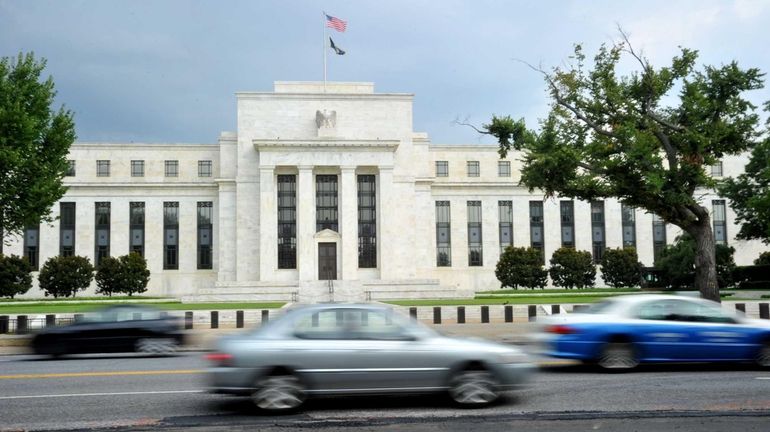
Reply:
x=327, y=261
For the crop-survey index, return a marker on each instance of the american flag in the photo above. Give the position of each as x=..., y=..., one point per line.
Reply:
x=335, y=23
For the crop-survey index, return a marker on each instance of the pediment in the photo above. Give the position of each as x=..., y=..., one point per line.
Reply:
x=327, y=235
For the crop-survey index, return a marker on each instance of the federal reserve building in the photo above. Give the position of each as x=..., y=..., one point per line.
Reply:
x=325, y=192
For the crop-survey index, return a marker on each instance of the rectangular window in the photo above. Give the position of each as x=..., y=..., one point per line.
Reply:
x=67, y=229
x=170, y=235
x=720, y=221
x=172, y=168
x=443, y=235
x=204, y=168
x=567, y=209
x=628, y=215
x=102, y=168
x=506, y=224
x=475, y=245
x=101, y=232
x=70, y=168
x=536, y=227
x=137, y=168
x=503, y=168
x=326, y=202
x=658, y=236
x=716, y=169
x=31, y=246
x=367, y=222
x=473, y=168
x=597, y=229
x=442, y=169
x=136, y=227
x=205, y=234
x=287, y=221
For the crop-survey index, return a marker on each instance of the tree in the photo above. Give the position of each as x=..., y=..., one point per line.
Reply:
x=521, y=267
x=621, y=268
x=677, y=263
x=632, y=138
x=135, y=273
x=750, y=194
x=108, y=276
x=763, y=259
x=64, y=276
x=15, y=277
x=571, y=268
x=34, y=143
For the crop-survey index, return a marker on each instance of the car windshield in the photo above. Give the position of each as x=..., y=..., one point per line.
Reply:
x=601, y=307
x=117, y=314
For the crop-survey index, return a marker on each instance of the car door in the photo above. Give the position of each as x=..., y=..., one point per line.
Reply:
x=661, y=333
x=718, y=335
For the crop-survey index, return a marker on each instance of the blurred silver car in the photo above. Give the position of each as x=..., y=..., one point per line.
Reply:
x=359, y=349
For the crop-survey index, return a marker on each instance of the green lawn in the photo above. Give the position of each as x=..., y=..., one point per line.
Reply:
x=79, y=299
x=527, y=291
x=499, y=301
x=74, y=307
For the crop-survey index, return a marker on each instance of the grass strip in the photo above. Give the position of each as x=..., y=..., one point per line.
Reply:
x=78, y=299
x=90, y=307
x=499, y=301
x=528, y=291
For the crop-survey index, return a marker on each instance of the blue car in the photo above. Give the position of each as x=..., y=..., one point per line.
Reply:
x=621, y=332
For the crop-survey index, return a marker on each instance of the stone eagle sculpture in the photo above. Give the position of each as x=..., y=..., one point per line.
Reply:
x=325, y=119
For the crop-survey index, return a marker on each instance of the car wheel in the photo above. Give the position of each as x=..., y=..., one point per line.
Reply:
x=279, y=393
x=763, y=356
x=618, y=355
x=156, y=346
x=473, y=388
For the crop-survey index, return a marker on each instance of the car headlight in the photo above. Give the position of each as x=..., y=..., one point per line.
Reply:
x=512, y=357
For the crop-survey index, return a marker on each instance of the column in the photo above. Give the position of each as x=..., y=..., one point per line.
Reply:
x=226, y=238
x=387, y=232
x=306, y=253
x=349, y=222
x=268, y=223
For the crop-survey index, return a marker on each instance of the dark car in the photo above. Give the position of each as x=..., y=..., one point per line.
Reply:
x=123, y=328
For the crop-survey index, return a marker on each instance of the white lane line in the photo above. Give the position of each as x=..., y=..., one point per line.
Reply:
x=764, y=378
x=101, y=394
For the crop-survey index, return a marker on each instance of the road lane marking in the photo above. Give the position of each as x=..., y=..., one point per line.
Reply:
x=101, y=374
x=763, y=378
x=100, y=394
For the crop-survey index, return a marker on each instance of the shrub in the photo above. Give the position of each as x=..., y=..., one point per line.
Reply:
x=521, y=267
x=135, y=273
x=725, y=265
x=571, y=268
x=677, y=264
x=108, y=276
x=621, y=267
x=15, y=277
x=763, y=259
x=65, y=276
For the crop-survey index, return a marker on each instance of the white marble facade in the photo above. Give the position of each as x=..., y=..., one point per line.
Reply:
x=307, y=129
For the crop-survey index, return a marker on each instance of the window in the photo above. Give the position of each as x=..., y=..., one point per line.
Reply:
x=443, y=235
x=136, y=227
x=597, y=229
x=475, y=246
x=720, y=221
x=442, y=169
x=172, y=168
x=506, y=224
x=31, y=246
x=658, y=236
x=205, y=215
x=326, y=202
x=101, y=232
x=170, y=235
x=287, y=221
x=367, y=222
x=137, y=168
x=67, y=229
x=351, y=324
x=628, y=216
x=536, y=227
x=204, y=168
x=102, y=168
x=567, y=209
x=70, y=168
x=716, y=169
x=473, y=168
x=503, y=168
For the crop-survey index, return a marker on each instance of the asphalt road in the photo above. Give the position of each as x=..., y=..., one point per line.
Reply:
x=146, y=393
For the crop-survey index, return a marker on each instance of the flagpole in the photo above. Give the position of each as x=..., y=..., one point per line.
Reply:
x=324, y=48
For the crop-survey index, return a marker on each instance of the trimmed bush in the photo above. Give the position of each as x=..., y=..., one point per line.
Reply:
x=753, y=277
x=15, y=277
x=521, y=267
x=108, y=276
x=127, y=274
x=763, y=259
x=65, y=276
x=621, y=268
x=571, y=268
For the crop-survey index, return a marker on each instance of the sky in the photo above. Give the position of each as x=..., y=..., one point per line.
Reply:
x=168, y=70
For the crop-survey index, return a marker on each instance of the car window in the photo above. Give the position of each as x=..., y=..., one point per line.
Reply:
x=682, y=310
x=601, y=307
x=348, y=324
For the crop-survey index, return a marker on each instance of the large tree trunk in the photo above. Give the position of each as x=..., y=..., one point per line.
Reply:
x=705, y=260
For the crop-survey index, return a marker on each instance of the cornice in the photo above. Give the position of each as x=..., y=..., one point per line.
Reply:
x=269, y=144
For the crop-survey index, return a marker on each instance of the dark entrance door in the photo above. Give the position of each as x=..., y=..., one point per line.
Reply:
x=327, y=261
